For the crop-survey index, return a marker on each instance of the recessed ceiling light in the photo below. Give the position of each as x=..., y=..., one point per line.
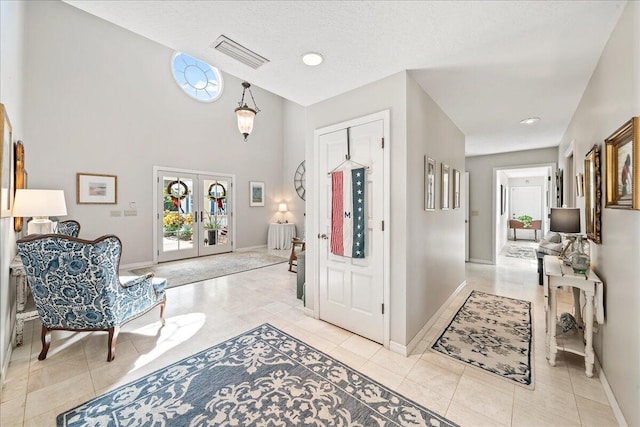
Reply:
x=312, y=59
x=530, y=121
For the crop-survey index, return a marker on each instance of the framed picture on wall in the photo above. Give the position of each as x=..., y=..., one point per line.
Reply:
x=6, y=164
x=96, y=189
x=256, y=193
x=429, y=184
x=456, y=189
x=502, y=197
x=444, y=186
x=623, y=162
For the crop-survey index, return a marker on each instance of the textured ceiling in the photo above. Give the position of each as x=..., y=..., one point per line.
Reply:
x=488, y=64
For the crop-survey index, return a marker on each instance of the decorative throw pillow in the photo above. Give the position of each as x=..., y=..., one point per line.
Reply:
x=550, y=248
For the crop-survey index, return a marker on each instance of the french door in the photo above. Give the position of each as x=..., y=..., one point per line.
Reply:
x=195, y=214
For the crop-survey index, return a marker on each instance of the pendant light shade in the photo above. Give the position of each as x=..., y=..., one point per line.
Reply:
x=246, y=114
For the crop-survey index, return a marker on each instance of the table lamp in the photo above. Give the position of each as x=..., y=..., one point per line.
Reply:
x=567, y=220
x=282, y=207
x=39, y=204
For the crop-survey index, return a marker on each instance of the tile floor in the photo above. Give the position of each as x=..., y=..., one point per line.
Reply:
x=200, y=315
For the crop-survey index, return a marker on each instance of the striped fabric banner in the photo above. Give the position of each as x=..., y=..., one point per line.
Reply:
x=347, y=213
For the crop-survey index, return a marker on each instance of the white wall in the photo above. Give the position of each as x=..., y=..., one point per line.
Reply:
x=11, y=84
x=435, y=239
x=102, y=99
x=611, y=98
x=295, y=117
x=427, y=255
x=480, y=170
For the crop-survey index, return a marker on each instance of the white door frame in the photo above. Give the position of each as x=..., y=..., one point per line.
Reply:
x=312, y=286
x=495, y=197
x=156, y=213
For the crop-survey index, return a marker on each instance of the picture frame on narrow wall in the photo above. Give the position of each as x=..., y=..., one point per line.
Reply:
x=444, y=186
x=580, y=184
x=502, y=194
x=429, y=184
x=6, y=164
x=623, y=166
x=256, y=193
x=456, y=189
x=20, y=178
x=96, y=189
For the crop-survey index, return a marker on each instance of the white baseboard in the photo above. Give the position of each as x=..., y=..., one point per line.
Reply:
x=137, y=265
x=250, y=248
x=617, y=412
x=5, y=364
x=309, y=312
x=406, y=350
x=480, y=261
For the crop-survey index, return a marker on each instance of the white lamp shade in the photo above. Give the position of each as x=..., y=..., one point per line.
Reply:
x=42, y=203
x=245, y=120
x=282, y=207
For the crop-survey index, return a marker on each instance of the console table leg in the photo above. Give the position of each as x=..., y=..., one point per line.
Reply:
x=589, y=357
x=19, y=332
x=553, y=344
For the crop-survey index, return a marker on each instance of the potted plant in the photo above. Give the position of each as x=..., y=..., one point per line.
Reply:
x=212, y=225
x=525, y=220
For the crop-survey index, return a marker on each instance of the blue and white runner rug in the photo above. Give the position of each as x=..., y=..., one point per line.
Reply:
x=492, y=333
x=263, y=377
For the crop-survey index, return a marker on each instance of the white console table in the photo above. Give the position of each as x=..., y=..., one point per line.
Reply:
x=558, y=275
x=280, y=235
x=25, y=307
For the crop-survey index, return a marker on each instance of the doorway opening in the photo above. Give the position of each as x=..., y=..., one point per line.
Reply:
x=523, y=198
x=194, y=214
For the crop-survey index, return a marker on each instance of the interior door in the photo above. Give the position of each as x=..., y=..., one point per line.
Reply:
x=351, y=289
x=215, y=215
x=177, y=194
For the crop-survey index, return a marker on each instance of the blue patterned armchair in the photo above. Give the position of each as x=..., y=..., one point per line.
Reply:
x=75, y=286
x=69, y=228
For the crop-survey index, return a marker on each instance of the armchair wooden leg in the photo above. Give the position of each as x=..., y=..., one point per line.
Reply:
x=46, y=342
x=113, y=337
x=162, y=305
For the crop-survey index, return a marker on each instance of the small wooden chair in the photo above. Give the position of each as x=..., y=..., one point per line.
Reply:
x=293, y=257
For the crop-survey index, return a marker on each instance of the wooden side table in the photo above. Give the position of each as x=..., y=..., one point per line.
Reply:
x=25, y=307
x=558, y=275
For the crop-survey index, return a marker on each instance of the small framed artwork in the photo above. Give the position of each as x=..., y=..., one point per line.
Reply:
x=429, y=184
x=502, y=194
x=504, y=200
x=96, y=189
x=256, y=193
x=580, y=184
x=6, y=164
x=444, y=186
x=623, y=166
x=456, y=189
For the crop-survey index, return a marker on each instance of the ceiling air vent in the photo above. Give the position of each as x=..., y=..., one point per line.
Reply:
x=239, y=52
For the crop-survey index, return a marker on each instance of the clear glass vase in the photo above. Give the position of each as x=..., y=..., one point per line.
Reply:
x=579, y=258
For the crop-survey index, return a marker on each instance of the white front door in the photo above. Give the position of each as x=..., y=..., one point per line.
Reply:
x=351, y=289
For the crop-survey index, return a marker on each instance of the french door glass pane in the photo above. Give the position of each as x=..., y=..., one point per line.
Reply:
x=177, y=221
x=215, y=209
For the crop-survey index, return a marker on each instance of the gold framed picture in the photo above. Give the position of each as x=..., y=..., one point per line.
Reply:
x=623, y=166
x=6, y=164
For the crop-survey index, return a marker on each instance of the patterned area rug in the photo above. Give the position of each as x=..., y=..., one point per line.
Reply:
x=520, y=252
x=492, y=333
x=197, y=269
x=263, y=377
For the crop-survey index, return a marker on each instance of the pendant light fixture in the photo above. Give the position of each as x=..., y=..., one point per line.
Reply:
x=246, y=114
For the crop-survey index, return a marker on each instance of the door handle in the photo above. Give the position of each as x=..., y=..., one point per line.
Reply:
x=322, y=236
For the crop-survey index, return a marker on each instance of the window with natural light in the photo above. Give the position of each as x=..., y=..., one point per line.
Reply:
x=199, y=80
